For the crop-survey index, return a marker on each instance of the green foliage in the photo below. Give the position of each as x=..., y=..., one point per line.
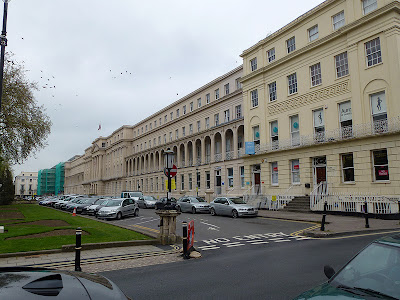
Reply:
x=6, y=182
x=24, y=126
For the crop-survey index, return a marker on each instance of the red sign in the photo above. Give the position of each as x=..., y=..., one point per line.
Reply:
x=383, y=172
x=190, y=236
x=172, y=172
x=296, y=167
x=275, y=169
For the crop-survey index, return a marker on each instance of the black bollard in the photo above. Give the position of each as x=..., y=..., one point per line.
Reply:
x=78, y=249
x=366, y=214
x=324, y=217
x=184, y=239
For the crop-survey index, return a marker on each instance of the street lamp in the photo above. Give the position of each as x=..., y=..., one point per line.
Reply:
x=3, y=43
x=169, y=156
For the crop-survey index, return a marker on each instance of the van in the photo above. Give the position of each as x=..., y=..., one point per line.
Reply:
x=133, y=195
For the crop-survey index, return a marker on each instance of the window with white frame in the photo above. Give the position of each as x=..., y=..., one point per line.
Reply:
x=190, y=182
x=156, y=180
x=238, y=83
x=313, y=33
x=198, y=180
x=291, y=45
x=154, y=142
x=199, y=103
x=345, y=119
x=207, y=121
x=315, y=72
x=190, y=128
x=274, y=173
x=176, y=134
x=342, y=65
x=183, y=131
x=191, y=106
x=274, y=134
x=208, y=180
x=272, y=91
x=160, y=121
x=198, y=126
x=165, y=138
x=338, y=20
x=182, y=182
x=226, y=88
x=142, y=132
x=256, y=134
x=155, y=123
x=170, y=136
x=177, y=113
x=347, y=167
x=238, y=111
x=149, y=144
x=292, y=83
x=226, y=116
x=295, y=130
x=216, y=119
x=379, y=112
x=271, y=54
x=295, y=166
x=319, y=125
x=184, y=109
x=253, y=64
x=369, y=5
x=151, y=184
x=230, y=177
x=151, y=126
x=373, y=52
x=254, y=98
x=242, y=183
x=208, y=98
x=159, y=140
x=216, y=93
x=380, y=165
x=165, y=119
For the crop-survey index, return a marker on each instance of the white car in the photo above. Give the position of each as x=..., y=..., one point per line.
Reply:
x=232, y=206
x=118, y=208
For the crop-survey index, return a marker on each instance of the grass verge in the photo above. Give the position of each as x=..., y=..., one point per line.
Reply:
x=98, y=232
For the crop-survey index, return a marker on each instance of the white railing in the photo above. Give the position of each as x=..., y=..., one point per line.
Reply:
x=218, y=157
x=318, y=193
x=338, y=134
x=241, y=152
x=279, y=203
x=198, y=161
x=229, y=155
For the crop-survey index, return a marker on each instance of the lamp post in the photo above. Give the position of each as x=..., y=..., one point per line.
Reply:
x=169, y=156
x=3, y=43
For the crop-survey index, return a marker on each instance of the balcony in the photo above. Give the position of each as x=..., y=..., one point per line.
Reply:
x=229, y=155
x=218, y=157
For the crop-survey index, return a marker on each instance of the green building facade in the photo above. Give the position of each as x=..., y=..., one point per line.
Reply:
x=51, y=181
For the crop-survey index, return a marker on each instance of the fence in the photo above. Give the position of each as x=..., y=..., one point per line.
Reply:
x=270, y=202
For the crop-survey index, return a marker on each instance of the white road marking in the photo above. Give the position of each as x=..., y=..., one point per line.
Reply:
x=257, y=243
x=234, y=244
x=205, y=248
x=275, y=239
x=252, y=241
x=212, y=228
x=282, y=241
x=210, y=224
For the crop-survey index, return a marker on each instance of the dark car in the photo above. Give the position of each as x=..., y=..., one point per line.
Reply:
x=163, y=201
x=373, y=273
x=95, y=207
x=39, y=283
x=192, y=204
x=82, y=204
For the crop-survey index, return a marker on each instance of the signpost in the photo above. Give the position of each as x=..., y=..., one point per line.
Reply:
x=172, y=172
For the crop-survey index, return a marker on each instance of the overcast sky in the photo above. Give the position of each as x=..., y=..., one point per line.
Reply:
x=162, y=48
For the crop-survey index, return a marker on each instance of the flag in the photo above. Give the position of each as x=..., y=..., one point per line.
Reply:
x=99, y=127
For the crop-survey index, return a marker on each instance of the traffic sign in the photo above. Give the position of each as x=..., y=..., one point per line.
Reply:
x=172, y=172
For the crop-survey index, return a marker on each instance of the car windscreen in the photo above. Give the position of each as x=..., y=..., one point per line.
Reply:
x=149, y=198
x=197, y=199
x=135, y=194
x=113, y=203
x=237, y=200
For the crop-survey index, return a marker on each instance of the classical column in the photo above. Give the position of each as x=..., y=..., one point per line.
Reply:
x=203, y=150
x=212, y=154
x=178, y=157
x=187, y=154
x=223, y=145
x=235, y=143
x=194, y=153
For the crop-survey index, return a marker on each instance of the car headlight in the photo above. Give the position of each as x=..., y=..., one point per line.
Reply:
x=242, y=209
x=113, y=210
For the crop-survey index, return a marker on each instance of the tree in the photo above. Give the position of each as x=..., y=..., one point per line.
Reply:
x=6, y=184
x=24, y=126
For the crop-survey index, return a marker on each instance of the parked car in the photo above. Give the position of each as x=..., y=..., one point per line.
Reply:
x=162, y=201
x=146, y=202
x=134, y=195
x=95, y=207
x=21, y=283
x=192, y=204
x=232, y=206
x=118, y=208
x=81, y=204
x=373, y=273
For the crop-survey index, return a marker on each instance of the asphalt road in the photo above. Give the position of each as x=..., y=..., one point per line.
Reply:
x=273, y=270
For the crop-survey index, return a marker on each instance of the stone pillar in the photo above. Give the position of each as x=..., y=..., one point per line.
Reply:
x=212, y=154
x=235, y=143
x=167, y=233
x=203, y=150
x=178, y=162
x=223, y=145
x=186, y=154
x=194, y=153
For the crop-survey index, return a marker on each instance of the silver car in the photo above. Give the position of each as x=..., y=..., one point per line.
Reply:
x=232, y=206
x=147, y=202
x=118, y=208
x=192, y=204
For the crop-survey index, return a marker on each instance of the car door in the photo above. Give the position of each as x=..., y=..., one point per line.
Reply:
x=125, y=207
x=218, y=206
x=225, y=207
x=186, y=204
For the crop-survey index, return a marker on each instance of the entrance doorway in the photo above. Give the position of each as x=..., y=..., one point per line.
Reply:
x=218, y=182
x=256, y=170
x=319, y=169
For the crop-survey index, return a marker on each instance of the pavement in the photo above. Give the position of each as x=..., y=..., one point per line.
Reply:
x=107, y=259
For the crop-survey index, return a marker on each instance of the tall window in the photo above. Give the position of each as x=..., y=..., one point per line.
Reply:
x=183, y=131
x=216, y=119
x=159, y=140
x=256, y=134
x=369, y=5
x=226, y=115
x=184, y=110
x=254, y=98
x=177, y=113
x=313, y=33
x=238, y=84
x=373, y=52
x=165, y=120
x=274, y=135
x=208, y=180
x=295, y=130
x=272, y=91
x=242, y=176
x=176, y=134
x=253, y=64
x=271, y=55
x=338, y=20
x=291, y=45
x=208, y=98
x=238, y=111
x=190, y=128
x=207, y=121
x=191, y=106
x=230, y=177
x=295, y=166
x=292, y=84
x=319, y=125
x=315, y=72
x=274, y=173
x=199, y=103
x=198, y=126
x=346, y=119
x=379, y=112
x=182, y=182
x=342, y=65
x=226, y=88
x=190, y=182
x=165, y=140
x=347, y=167
x=216, y=93
x=198, y=180
x=381, y=165
x=160, y=124
x=170, y=136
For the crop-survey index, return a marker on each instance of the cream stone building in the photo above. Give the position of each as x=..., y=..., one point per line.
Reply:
x=205, y=129
x=320, y=102
x=26, y=184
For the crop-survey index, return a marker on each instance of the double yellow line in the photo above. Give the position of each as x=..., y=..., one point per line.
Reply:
x=146, y=228
x=299, y=232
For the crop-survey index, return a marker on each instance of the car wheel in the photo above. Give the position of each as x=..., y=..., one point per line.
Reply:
x=235, y=214
x=193, y=210
x=145, y=205
x=212, y=211
x=178, y=208
x=119, y=216
x=136, y=213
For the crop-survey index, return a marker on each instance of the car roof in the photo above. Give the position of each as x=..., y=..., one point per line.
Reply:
x=391, y=239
